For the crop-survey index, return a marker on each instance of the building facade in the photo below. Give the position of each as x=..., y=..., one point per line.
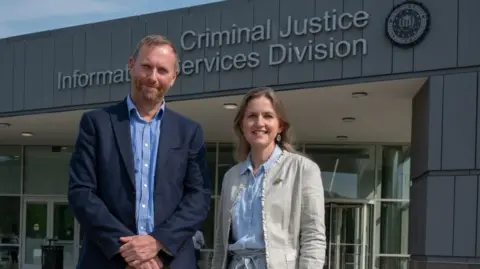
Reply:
x=391, y=203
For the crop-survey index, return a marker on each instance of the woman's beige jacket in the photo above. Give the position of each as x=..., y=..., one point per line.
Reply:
x=293, y=214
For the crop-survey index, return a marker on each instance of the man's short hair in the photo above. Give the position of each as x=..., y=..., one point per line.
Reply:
x=155, y=41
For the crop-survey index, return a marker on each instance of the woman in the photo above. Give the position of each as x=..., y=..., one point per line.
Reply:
x=272, y=205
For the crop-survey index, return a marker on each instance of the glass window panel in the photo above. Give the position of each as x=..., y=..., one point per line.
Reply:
x=9, y=257
x=63, y=222
x=395, y=172
x=9, y=219
x=36, y=231
x=226, y=160
x=209, y=226
x=211, y=162
x=347, y=172
x=206, y=259
x=392, y=262
x=80, y=237
x=394, y=227
x=46, y=169
x=63, y=231
x=10, y=165
x=345, y=233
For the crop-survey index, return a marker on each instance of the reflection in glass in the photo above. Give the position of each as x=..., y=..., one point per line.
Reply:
x=209, y=226
x=10, y=167
x=46, y=170
x=226, y=160
x=347, y=172
x=396, y=172
x=394, y=228
x=80, y=237
x=346, y=232
x=63, y=223
x=205, y=259
x=393, y=262
x=9, y=257
x=36, y=231
x=9, y=219
x=63, y=231
x=211, y=162
x=9, y=231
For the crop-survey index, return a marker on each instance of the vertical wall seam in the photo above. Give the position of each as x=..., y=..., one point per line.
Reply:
x=458, y=31
x=361, y=58
x=392, y=65
x=413, y=60
x=42, y=57
x=279, y=9
x=72, y=62
x=314, y=39
x=85, y=51
x=476, y=122
x=475, y=247
x=219, y=76
x=476, y=158
x=24, y=74
x=251, y=6
x=342, y=38
x=13, y=76
x=454, y=213
x=204, y=88
x=110, y=63
x=441, y=122
x=54, y=70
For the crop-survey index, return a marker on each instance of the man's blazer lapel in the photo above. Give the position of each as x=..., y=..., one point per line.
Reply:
x=121, y=127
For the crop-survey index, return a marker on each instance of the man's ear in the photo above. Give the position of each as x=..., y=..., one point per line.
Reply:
x=174, y=79
x=131, y=63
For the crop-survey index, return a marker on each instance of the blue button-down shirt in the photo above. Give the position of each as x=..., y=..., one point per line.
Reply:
x=247, y=224
x=145, y=136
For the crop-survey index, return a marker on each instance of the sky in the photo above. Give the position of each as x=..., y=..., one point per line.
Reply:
x=20, y=17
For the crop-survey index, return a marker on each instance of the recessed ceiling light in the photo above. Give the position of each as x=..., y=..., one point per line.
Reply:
x=359, y=94
x=230, y=106
x=342, y=137
x=348, y=119
x=4, y=125
x=27, y=134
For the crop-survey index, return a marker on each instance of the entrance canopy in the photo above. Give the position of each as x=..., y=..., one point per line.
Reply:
x=377, y=112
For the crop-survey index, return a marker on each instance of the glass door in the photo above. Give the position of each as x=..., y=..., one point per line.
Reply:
x=44, y=220
x=35, y=231
x=348, y=239
x=63, y=232
x=78, y=240
x=348, y=172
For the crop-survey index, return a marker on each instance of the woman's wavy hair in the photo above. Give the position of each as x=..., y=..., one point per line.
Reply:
x=242, y=145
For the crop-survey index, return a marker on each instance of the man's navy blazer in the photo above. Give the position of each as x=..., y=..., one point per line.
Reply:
x=101, y=189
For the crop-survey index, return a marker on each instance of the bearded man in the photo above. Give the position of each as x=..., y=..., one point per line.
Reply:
x=139, y=185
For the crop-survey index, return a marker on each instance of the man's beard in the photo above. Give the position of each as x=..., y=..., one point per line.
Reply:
x=151, y=97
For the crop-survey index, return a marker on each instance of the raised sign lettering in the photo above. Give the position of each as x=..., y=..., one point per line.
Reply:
x=278, y=53
x=83, y=80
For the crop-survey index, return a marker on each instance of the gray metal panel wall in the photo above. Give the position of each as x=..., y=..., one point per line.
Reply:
x=30, y=64
x=6, y=76
x=444, y=221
